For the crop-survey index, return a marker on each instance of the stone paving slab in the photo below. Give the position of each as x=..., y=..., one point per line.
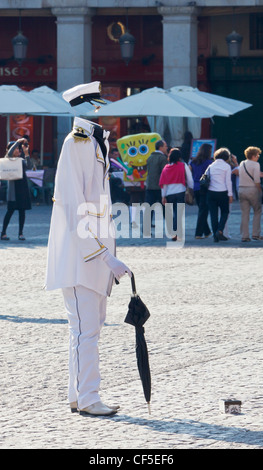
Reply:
x=204, y=338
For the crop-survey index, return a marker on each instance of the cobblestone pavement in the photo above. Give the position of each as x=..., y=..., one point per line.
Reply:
x=204, y=338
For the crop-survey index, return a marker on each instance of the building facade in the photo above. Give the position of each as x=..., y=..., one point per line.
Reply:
x=177, y=43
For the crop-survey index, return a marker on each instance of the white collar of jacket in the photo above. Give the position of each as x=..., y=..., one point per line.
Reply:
x=220, y=162
x=88, y=126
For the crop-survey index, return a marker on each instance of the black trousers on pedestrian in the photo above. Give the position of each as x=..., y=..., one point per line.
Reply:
x=202, y=227
x=152, y=196
x=21, y=220
x=218, y=200
x=176, y=199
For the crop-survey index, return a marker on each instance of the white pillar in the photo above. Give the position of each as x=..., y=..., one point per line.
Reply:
x=73, y=46
x=179, y=45
x=74, y=51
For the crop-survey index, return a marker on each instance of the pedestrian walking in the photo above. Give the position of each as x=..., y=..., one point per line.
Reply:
x=174, y=178
x=155, y=164
x=198, y=167
x=250, y=194
x=234, y=178
x=186, y=146
x=219, y=194
x=81, y=249
x=18, y=196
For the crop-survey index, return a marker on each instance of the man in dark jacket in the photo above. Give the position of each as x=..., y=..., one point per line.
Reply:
x=155, y=164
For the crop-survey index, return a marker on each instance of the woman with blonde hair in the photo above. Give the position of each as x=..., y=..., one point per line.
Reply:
x=250, y=194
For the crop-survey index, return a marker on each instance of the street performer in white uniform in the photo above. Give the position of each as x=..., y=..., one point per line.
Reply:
x=81, y=249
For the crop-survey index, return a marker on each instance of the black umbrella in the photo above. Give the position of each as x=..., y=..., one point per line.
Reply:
x=137, y=315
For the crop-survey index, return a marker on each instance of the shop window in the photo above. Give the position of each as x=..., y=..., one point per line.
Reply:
x=256, y=31
x=152, y=31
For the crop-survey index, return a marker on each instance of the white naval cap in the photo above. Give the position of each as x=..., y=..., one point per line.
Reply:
x=85, y=92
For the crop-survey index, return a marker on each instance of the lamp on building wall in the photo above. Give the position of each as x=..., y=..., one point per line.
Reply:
x=234, y=42
x=127, y=42
x=19, y=44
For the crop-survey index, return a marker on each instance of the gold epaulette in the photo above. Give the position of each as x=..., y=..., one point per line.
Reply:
x=80, y=135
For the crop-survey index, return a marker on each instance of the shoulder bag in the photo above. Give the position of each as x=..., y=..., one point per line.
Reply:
x=189, y=194
x=250, y=176
x=11, y=168
x=205, y=180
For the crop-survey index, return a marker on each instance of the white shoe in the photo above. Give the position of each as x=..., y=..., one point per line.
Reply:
x=74, y=407
x=97, y=409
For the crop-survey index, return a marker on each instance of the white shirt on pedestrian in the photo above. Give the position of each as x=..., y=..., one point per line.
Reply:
x=220, y=173
x=169, y=189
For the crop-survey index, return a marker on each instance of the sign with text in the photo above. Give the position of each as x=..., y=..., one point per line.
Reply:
x=27, y=72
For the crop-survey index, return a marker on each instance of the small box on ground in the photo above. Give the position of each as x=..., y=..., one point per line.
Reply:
x=230, y=405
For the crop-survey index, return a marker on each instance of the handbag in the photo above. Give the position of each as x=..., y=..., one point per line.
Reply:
x=189, y=198
x=11, y=168
x=205, y=181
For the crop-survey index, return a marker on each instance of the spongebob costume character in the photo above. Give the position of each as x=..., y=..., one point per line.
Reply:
x=81, y=249
x=135, y=150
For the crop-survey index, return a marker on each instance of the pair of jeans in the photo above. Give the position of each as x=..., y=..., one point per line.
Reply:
x=152, y=196
x=175, y=199
x=202, y=227
x=218, y=200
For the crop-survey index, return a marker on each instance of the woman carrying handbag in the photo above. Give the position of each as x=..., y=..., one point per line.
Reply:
x=18, y=196
x=219, y=194
x=174, y=178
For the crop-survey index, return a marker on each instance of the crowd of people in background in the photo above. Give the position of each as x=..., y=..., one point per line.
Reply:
x=228, y=179
x=170, y=171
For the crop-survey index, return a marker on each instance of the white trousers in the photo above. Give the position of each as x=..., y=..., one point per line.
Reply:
x=86, y=314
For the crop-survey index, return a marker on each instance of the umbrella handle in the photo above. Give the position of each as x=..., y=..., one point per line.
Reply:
x=133, y=285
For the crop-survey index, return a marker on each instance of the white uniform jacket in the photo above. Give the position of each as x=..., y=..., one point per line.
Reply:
x=81, y=226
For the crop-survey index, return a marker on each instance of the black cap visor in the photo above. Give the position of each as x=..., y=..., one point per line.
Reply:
x=89, y=97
